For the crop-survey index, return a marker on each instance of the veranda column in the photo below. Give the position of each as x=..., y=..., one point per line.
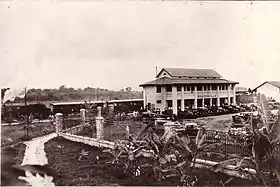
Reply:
x=99, y=125
x=210, y=92
x=83, y=116
x=174, y=99
x=234, y=95
x=203, y=96
x=182, y=99
x=218, y=95
x=228, y=94
x=195, y=97
x=163, y=90
x=58, y=122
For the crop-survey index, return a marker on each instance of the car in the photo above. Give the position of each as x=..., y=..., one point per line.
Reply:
x=190, y=129
x=187, y=114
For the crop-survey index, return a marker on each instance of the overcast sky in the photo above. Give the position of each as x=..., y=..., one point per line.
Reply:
x=117, y=44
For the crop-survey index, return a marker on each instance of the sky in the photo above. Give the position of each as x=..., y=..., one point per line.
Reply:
x=113, y=45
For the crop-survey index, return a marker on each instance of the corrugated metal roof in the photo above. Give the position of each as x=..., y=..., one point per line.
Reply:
x=170, y=81
x=182, y=72
x=97, y=102
x=241, y=89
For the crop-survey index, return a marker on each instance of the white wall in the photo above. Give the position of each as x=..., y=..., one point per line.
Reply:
x=270, y=91
x=150, y=94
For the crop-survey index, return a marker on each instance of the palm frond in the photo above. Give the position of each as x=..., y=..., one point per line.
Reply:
x=221, y=165
x=201, y=141
x=199, y=135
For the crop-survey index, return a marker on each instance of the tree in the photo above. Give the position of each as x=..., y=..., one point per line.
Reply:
x=3, y=90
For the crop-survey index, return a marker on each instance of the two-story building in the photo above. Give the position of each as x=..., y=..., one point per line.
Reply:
x=179, y=89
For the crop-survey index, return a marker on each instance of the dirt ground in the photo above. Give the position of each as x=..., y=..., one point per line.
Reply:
x=11, y=156
x=15, y=133
x=219, y=123
x=95, y=169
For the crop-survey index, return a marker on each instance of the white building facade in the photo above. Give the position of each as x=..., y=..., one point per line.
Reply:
x=180, y=89
x=271, y=89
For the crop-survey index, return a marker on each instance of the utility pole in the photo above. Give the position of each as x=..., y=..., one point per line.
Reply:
x=25, y=101
x=156, y=70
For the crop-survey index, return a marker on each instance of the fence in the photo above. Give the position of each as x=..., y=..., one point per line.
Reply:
x=71, y=121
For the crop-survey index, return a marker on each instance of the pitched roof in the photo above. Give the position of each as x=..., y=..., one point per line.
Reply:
x=274, y=83
x=182, y=72
x=241, y=89
x=184, y=80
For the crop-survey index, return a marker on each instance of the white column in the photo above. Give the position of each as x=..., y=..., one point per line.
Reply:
x=234, y=96
x=144, y=98
x=99, y=125
x=182, y=99
x=58, y=122
x=163, y=90
x=202, y=95
x=210, y=92
x=174, y=99
x=218, y=95
x=83, y=116
x=195, y=97
x=229, y=94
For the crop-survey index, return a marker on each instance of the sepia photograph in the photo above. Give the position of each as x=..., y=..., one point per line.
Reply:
x=140, y=93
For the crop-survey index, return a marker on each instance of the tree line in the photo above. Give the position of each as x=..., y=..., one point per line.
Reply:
x=70, y=94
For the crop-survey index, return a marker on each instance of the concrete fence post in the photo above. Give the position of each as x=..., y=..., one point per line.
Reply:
x=127, y=130
x=83, y=116
x=58, y=122
x=99, y=125
x=111, y=109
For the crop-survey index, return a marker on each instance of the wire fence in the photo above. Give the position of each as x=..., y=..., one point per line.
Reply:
x=71, y=121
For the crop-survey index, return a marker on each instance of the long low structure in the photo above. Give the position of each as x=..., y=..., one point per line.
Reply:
x=178, y=89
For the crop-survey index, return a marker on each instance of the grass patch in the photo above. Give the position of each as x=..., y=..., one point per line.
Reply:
x=11, y=135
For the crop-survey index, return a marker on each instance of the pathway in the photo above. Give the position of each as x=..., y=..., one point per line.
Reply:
x=35, y=155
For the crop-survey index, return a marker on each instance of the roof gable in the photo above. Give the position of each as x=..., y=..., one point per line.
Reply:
x=273, y=83
x=182, y=72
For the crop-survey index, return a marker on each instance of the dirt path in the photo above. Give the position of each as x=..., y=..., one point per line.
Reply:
x=35, y=155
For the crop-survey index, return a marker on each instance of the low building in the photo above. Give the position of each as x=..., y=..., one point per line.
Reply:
x=271, y=89
x=241, y=90
x=179, y=89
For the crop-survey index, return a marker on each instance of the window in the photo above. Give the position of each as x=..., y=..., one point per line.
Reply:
x=214, y=87
x=158, y=89
x=188, y=88
x=179, y=88
x=158, y=101
x=164, y=73
x=205, y=87
x=185, y=88
x=192, y=87
x=168, y=88
x=199, y=87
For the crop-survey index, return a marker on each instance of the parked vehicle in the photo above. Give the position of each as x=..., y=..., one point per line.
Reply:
x=187, y=114
x=217, y=110
x=230, y=109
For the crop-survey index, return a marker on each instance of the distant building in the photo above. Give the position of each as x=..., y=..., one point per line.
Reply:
x=271, y=89
x=179, y=89
x=241, y=90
